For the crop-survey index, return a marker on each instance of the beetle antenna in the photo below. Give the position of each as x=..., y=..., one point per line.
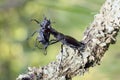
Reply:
x=35, y=21
x=45, y=18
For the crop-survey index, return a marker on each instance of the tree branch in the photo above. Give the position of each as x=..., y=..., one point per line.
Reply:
x=97, y=38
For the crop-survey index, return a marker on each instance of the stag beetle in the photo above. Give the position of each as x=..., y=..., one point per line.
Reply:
x=43, y=34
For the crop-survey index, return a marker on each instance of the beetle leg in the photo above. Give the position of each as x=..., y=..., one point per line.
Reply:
x=61, y=48
x=60, y=66
x=53, y=41
x=36, y=45
x=45, y=48
x=32, y=34
x=35, y=21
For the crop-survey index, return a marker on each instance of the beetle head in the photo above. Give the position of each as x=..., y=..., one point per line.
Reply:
x=46, y=23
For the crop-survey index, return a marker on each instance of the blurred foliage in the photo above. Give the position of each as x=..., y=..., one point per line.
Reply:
x=70, y=16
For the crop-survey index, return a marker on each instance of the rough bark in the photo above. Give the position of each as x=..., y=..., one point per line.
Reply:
x=97, y=38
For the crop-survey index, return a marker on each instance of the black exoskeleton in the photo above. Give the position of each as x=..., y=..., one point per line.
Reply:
x=67, y=40
x=43, y=34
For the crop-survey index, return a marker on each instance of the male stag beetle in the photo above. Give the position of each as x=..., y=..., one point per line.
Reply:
x=43, y=34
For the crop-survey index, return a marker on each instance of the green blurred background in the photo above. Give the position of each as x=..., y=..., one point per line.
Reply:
x=71, y=17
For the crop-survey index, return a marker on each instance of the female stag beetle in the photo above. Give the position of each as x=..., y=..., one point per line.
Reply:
x=43, y=34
